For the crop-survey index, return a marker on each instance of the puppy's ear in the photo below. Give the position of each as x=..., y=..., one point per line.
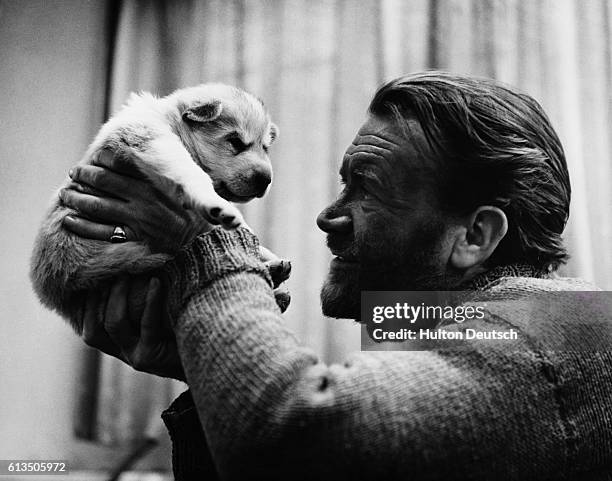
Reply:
x=273, y=132
x=203, y=112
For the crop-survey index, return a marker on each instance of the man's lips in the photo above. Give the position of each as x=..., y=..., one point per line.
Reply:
x=343, y=258
x=343, y=262
x=343, y=251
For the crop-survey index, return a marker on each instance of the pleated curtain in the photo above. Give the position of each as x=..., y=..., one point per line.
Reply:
x=316, y=64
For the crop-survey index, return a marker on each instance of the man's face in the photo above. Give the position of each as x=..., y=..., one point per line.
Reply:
x=385, y=229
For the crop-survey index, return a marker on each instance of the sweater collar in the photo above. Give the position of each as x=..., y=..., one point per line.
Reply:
x=487, y=279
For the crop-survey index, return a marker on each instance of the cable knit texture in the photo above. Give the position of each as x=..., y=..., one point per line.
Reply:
x=270, y=409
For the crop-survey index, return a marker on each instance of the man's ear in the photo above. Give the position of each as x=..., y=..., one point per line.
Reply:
x=482, y=233
x=273, y=132
x=203, y=112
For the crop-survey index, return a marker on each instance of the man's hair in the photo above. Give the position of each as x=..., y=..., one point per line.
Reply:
x=496, y=147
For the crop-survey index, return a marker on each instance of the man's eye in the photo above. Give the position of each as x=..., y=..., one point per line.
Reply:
x=361, y=187
x=365, y=193
x=237, y=144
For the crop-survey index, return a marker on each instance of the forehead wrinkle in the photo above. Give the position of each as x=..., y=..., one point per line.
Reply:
x=406, y=141
x=369, y=149
x=378, y=140
x=366, y=159
x=371, y=157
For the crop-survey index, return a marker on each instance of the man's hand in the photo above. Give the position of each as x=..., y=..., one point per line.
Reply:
x=113, y=192
x=146, y=343
x=280, y=270
x=119, y=323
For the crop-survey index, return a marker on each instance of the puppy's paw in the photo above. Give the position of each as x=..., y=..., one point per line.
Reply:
x=228, y=216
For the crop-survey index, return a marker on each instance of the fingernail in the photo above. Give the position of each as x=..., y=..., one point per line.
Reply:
x=286, y=266
x=105, y=155
x=61, y=194
x=71, y=173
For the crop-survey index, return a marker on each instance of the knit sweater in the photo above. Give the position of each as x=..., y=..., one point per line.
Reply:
x=271, y=409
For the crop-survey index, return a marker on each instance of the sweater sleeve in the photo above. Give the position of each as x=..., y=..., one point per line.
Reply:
x=272, y=410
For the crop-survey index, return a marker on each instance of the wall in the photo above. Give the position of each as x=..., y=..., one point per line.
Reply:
x=52, y=58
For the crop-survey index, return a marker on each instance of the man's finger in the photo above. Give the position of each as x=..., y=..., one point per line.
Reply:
x=283, y=298
x=90, y=317
x=92, y=230
x=84, y=188
x=151, y=326
x=94, y=334
x=120, y=162
x=116, y=320
x=103, y=180
x=280, y=270
x=99, y=208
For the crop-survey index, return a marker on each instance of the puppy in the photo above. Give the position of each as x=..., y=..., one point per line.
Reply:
x=211, y=141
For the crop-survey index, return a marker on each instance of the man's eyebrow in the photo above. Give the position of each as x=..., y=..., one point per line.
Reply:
x=363, y=168
x=367, y=171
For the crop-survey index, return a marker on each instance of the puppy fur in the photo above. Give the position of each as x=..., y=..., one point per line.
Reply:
x=207, y=140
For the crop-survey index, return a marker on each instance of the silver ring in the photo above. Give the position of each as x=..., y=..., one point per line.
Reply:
x=119, y=235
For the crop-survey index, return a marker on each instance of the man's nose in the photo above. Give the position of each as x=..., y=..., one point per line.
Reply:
x=330, y=221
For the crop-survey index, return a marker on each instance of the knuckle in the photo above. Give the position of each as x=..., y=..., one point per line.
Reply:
x=103, y=157
x=122, y=161
x=95, y=177
x=96, y=206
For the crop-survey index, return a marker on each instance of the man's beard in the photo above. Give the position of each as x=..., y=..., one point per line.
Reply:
x=387, y=266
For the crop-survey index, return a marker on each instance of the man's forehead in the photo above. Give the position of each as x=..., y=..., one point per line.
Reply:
x=384, y=127
x=381, y=141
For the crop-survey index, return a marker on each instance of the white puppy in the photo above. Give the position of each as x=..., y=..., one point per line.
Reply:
x=209, y=140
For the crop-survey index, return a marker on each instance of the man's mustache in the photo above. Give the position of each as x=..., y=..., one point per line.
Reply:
x=342, y=246
x=352, y=248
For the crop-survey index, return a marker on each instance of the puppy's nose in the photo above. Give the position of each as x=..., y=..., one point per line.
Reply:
x=260, y=181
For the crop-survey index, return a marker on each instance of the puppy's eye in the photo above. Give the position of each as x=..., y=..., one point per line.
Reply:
x=237, y=144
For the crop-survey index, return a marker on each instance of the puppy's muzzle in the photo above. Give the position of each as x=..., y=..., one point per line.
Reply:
x=245, y=187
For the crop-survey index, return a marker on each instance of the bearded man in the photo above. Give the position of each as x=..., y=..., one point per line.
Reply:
x=452, y=183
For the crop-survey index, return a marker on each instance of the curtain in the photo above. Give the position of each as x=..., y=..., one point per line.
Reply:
x=316, y=64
